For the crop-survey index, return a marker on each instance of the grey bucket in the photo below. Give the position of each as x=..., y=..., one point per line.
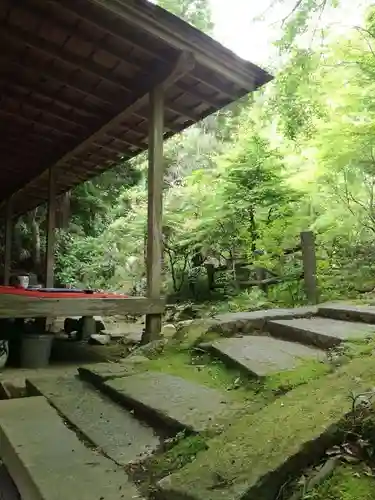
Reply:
x=36, y=350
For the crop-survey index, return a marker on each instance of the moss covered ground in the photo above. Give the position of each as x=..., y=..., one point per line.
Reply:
x=262, y=442
x=268, y=406
x=348, y=482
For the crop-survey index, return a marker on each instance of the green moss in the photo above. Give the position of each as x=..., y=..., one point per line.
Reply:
x=201, y=369
x=195, y=333
x=259, y=443
x=347, y=483
x=305, y=372
x=181, y=453
x=359, y=347
x=254, y=393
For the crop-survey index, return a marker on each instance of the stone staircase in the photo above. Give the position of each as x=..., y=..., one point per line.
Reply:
x=283, y=339
x=84, y=432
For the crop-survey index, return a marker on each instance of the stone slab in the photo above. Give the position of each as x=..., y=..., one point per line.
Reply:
x=245, y=322
x=348, y=312
x=112, y=429
x=97, y=373
x=173, y=401
x=259, y=453
x=130, y=332
x=100, y=339
x=8, y=490
x=262, y=356
x=47, y=461
x=321, y=332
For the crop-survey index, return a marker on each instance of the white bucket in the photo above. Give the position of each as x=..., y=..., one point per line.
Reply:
x=36, y=350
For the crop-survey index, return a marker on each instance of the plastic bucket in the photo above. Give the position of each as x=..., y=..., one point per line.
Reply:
x=36, y=350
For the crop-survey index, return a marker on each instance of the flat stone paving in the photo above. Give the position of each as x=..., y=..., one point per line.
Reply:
x=47, y=461
x=345, y=311
x=263, y=356
x=245, y=321
x=111, y=428
x=176, y=402
x=254, y=457
x=99, y=372
x=322, y=332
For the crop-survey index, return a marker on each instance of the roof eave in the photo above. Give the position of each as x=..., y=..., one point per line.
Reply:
x=208, y=52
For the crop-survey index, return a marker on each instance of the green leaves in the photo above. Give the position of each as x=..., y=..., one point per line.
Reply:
x=195, y=12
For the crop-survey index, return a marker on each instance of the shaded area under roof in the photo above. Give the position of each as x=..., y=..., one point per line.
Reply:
x=74, y=80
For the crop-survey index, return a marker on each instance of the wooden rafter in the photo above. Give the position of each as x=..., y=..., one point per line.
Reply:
x=75, y=78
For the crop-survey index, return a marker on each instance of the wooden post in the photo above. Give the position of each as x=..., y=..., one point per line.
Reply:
x=51, y=225
x=309, y=266
x=8, y=241
x=88, y=327
x=155, y=209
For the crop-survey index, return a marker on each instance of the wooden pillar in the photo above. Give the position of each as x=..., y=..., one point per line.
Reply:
x=309, y=266
x=8, y=236
x=155, y=209
x=51, y=226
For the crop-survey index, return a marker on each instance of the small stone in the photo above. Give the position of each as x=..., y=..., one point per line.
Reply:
x=152, y=349
x=185, y=324
x=168, y=331
x=100, y=339
x=135, y=359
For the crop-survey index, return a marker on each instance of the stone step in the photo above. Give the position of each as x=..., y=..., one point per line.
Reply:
x=262, y=356
x=112, y=429
x=259, y=453
x=245, y=322
x=47, y=461
x=8, y=490
x=173, y=401
x=348, y=312
x=321, y=332
x=97, y=373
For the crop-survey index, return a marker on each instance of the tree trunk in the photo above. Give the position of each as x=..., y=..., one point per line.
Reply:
x=63, y=213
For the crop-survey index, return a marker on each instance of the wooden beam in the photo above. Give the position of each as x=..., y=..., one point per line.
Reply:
x=309, y=266
x=8, y=241
x=26, y=101
x=51, y=230
x=10, y=131
x=213, y=56
x=181, y=110
x=155, y=209
x=204, y=98
x=175, y=33
x=112, y=148
x=184, y=63
x=202, y=75
x=60, y=77
x=13, y=306
x=81, y=38
x=51, y=49
x=179, y=35
x=18, y=117
x=113, y=29
x=40, y=92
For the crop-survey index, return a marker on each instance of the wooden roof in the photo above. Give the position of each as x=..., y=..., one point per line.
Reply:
x=74, y=79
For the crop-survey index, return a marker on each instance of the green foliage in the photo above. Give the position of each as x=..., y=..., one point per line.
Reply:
x=195, y=12
x=241, y=185
x=348, y=482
